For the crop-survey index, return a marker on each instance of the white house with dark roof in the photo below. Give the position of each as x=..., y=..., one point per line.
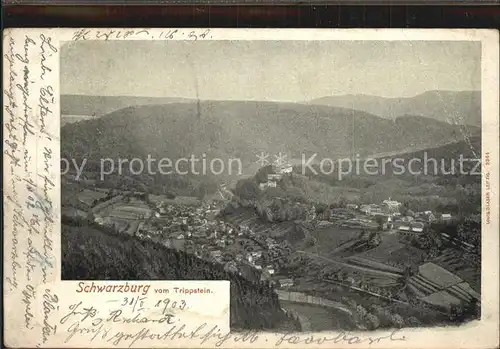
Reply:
x=445, y=216
x=410, y=228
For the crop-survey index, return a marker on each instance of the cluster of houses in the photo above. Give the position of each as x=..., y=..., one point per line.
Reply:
x=415, y=224
x=388, y=208
x=184, y=221
x=388, y=212
x=386, y=216
x=199, y=231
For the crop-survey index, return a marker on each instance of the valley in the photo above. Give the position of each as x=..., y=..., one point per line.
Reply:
x=372, y=244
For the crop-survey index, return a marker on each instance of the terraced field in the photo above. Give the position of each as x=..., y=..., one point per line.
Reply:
x=129, y=211
x=391, y=252
x=249, y=218
x=451, y=260
x=422, y=287
x=105, y=207
x=381, y=278
x=363, y=262
x=438, y=286
x=89, y=196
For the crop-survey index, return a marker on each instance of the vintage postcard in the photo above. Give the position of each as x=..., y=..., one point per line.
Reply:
x=259, y=188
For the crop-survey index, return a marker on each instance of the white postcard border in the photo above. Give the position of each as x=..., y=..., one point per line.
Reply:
x=478, y=334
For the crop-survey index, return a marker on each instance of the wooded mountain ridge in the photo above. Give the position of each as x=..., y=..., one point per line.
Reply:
x=241, y=129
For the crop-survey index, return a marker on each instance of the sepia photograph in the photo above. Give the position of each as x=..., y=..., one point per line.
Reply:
x=335, y=183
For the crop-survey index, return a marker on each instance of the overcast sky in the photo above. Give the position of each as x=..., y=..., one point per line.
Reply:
x=268, y=70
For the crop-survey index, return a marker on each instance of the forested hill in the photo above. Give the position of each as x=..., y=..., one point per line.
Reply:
x=241, y=129
x=96, y=253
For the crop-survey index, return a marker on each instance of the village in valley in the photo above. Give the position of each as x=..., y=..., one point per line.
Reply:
x=328, y=253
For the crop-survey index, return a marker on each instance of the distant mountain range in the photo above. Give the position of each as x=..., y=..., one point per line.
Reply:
x=239, y=129
x=462, y=107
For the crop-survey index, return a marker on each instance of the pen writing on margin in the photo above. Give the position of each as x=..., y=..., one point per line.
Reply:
x=116, y=34
x=40, y=204
x=12, y=151
x=44, y=106
x=46, y=100
x=28, y=295
x=50, y=305
x=343, y=337
x=31, y=209
x=10, y=106
x=86, y=320
x=46, y=42
x=25, y=89
x=46, y=96
x=89, y=34
x=213, y=334
x=203, y=333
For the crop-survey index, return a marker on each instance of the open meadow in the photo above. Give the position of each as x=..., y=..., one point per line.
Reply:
x=329, y=238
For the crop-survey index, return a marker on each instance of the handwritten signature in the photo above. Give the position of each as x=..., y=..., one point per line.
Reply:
x=342, y=337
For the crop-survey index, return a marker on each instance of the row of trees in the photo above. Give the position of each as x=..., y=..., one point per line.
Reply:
x=378, y=316
x=279, y=210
